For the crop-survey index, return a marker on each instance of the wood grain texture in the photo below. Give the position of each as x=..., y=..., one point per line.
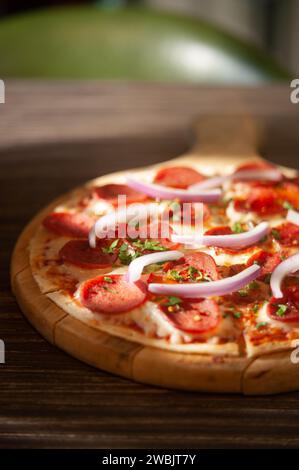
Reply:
x=55, y=136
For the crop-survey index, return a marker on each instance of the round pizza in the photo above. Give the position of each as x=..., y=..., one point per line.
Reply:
x=180, y=258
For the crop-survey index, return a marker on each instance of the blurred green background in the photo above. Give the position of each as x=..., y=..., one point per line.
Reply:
x=215, y=41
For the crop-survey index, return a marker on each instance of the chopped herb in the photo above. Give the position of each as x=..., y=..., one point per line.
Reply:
x=253, y=285
x=149, y=245
x=287, y=205
x=237, y=227
x=275, y=234
x=175, y=275
x=255, y=308
x=237, y=314
x=195, y=274
x=172, y=300
x=108, y=279
x=152, y=268
x=111, y=248
x=280, y=312
x=261, y=324
x=124, y=255
x=243, y=292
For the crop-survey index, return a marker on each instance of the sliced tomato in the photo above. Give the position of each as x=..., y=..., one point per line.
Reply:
x=68, y=224
x=267, y=261
x=261, y=200
x=110, y=193
x=178, y=177
x=79, y=253
x=223, y=230
x=286, y=309
x=195, y=316
x=204, y=268
x=112, y=294
x=287, y=234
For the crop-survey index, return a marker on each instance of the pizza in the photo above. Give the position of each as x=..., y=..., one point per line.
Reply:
x=215, y=272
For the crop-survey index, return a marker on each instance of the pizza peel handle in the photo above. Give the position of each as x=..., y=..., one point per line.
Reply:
x=224, y=139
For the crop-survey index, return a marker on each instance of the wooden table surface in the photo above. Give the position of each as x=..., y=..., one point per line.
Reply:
x=54, y=135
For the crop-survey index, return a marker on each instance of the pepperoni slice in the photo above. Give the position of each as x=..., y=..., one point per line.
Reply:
x=178, y=177
x=68, y=224
x=262, y=200
x=110, y=193
x=267, y=261
x=192, y=315
x=112, y=294
x=287, y=234
x=203, y=268
x=254, y=166
x=286, y=309
x=79, y=253
x=223, y=230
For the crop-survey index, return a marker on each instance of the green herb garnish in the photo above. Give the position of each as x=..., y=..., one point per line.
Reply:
x=149, y=245
x=108, y=279
x=237, y=314
x=261, y=324
x=255, y=308
x=175, y=275
x=287, y=205
x=237, y=227
x=275, y=234
x=243, y=292
x=253, y=285
x=280, y=312
x=110, y=249
x=172, y=300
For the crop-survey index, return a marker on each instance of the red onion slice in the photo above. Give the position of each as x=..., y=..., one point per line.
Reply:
x=209, y=183
x=207, y=289
x=288, y=266
x=238, y=240
x=244, y=175
x=293, y=217
x=137, y=265
x=271, y=174
x=163, y=192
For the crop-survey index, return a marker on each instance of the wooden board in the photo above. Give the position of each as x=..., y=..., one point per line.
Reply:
x=271, y=373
